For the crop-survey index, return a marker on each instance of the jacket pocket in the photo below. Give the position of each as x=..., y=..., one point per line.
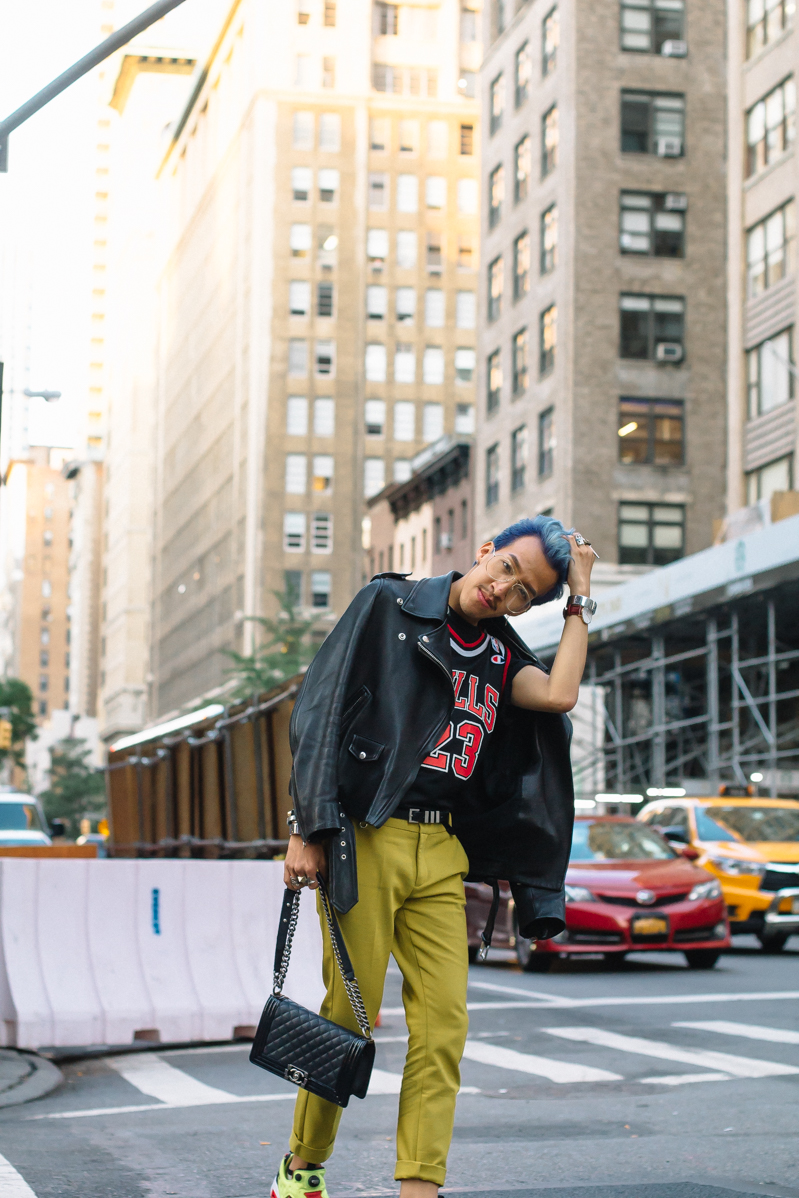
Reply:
x=365, y=750
x=355, y=704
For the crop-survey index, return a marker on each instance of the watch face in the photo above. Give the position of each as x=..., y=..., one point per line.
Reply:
x=586, y=613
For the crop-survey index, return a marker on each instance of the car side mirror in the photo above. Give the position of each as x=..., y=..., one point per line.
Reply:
x=690, y=853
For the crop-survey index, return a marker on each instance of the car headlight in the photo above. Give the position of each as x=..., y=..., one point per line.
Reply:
x=736, y=867
x=705, y=890
x=579, y=894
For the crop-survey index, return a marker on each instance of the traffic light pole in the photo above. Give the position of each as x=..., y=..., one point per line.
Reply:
x=122, y=36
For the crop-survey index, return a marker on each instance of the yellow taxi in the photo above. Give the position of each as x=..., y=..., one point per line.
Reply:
x=752, y=846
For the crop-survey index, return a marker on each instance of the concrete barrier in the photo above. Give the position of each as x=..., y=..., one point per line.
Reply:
x=98, y=951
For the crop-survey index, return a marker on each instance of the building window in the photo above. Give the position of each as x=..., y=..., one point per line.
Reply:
x=299, y=298
x=321, y=532
x=547, y=339
x=433, y=365
x=497, y=103
x=435, y=192
x=523, y=73
x=406, y=249
x=406, y=305
x=523, y=160
x=652, y=327
x=44, y=659
x=404, y=421
x=437, y=139
x=300, y=240
x=546, y=442
x=330, y=132
x=303, y=12
x=650, y=534
x=376, y=303
x=321, y=587
x=467, y=192
x=409, y=137
x=647, y=24
x=765, y=21
x=298, y=357
x=292, y=582
x=771, y=249
x=329, y=15
x=294, y=532
x=492, y=475
x=386, y=18
x=44, y=682
x=518, y=457
x=651, y=431
x=521, y=362
x=377, y=247
x=652, y=223
x=378, y=191
x=434, y=308
x=303, y=131
x=379, y=134
x=375, y=363
x=296, y=416
x=324, y=300
x=374, y=415
x=374, y=476
x=325, y=359
x=465, y=360
x=328, y=72
x=776, y=476
x=301, y=184
x=465, y=256
x=465, y=310
x=550, y=39
x=324, y=417
x=432, y=422
x=435, y=257
x=437, y=546
x=407, y=193
x=329, y=179
x=322, y=477
x=296, y=473
x=464, y=419
x=494, y=381
x=652, y=123
x=496, y=194
x=495, y=286
x=404, y=364
x=402, y=470
x=467, y=140
x=549, y=240
x=521, y=266
x=549, y=141
x=770, y=379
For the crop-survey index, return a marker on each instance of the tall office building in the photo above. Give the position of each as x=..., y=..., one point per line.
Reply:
x=602, y=344
x=762, y=435
x=317, y=308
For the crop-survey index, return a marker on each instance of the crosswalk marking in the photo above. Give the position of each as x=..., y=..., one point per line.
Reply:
x=715, y=1061
x=382, y=1082
x=685, y=1079
x=748, y=1031
x=156, y=1106
x=555, y=1003
x=157, y=1079
x=522, y=1062
x=13, y=1184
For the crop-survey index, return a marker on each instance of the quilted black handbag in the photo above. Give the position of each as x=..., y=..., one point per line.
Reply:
x=303, y=1047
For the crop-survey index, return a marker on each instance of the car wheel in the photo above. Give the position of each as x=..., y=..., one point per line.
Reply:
x=702, y=958
x=773, y=942
x=474, y=949
x=614, y=960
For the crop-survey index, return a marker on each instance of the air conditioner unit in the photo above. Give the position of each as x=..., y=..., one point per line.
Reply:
x=675, y=201
x=674, y=49
x=668, y=147
x=446, y=540
x=668, y=351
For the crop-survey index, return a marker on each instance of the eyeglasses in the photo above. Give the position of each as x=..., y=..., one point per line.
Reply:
x=517, y=598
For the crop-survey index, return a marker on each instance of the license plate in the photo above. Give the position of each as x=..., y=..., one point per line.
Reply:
x=652, y=925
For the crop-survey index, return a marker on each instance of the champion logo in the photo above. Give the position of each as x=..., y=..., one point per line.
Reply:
x=498, y=656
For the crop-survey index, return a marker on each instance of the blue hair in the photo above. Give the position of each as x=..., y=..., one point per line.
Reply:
x=557, y=550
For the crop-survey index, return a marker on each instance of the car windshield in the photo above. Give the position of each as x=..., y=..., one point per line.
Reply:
x=709, y=829
x=757, y=823
x=19, y=817
x=617, y=842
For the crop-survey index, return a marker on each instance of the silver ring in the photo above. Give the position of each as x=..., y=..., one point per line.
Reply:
x=580, y=539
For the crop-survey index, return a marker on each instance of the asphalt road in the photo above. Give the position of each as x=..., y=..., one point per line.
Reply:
x=651, y=1082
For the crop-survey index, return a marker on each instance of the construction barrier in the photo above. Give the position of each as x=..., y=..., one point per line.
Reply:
x=99, y=952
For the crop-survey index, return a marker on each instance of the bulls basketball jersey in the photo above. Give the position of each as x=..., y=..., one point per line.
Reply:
x=483, y=670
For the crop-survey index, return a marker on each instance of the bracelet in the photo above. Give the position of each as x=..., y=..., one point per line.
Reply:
x=291, y=822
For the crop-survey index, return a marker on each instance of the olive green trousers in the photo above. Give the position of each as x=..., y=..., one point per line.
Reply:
x=410, y=904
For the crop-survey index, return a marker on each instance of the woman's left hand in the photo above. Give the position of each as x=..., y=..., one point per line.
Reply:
x=580, y=567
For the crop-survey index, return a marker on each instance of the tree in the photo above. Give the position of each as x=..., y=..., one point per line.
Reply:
x=76, y=788
x=282, y=655
x=17, y=696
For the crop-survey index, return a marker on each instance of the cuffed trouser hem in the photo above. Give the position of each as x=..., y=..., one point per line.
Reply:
x=420, y=1171
x=306, y=1152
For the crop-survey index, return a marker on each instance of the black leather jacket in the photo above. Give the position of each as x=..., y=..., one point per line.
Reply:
x=373, y=704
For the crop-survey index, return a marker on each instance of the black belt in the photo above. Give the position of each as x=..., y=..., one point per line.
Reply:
x=422, y=815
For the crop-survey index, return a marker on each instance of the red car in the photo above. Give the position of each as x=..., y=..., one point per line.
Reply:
x=627, y=890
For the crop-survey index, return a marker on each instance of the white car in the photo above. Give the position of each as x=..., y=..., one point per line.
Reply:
x=22, y=820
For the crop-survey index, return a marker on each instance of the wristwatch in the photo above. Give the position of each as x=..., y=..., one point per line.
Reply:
x=291, y=821
x=580, y=605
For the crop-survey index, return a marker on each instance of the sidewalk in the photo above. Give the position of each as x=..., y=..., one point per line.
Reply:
x=25, y=1076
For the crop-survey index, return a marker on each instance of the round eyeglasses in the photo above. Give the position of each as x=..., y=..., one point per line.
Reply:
x=517, y=598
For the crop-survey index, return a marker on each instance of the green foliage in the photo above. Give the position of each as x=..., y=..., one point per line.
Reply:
x=17, y=696
x=76, y=788
x=284, y=653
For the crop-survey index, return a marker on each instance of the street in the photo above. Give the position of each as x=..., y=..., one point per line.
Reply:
x=654, y=1081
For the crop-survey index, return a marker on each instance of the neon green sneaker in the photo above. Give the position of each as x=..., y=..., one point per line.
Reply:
x=302, y=1183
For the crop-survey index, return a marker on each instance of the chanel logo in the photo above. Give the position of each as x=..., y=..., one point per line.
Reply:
x=298, y=1076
